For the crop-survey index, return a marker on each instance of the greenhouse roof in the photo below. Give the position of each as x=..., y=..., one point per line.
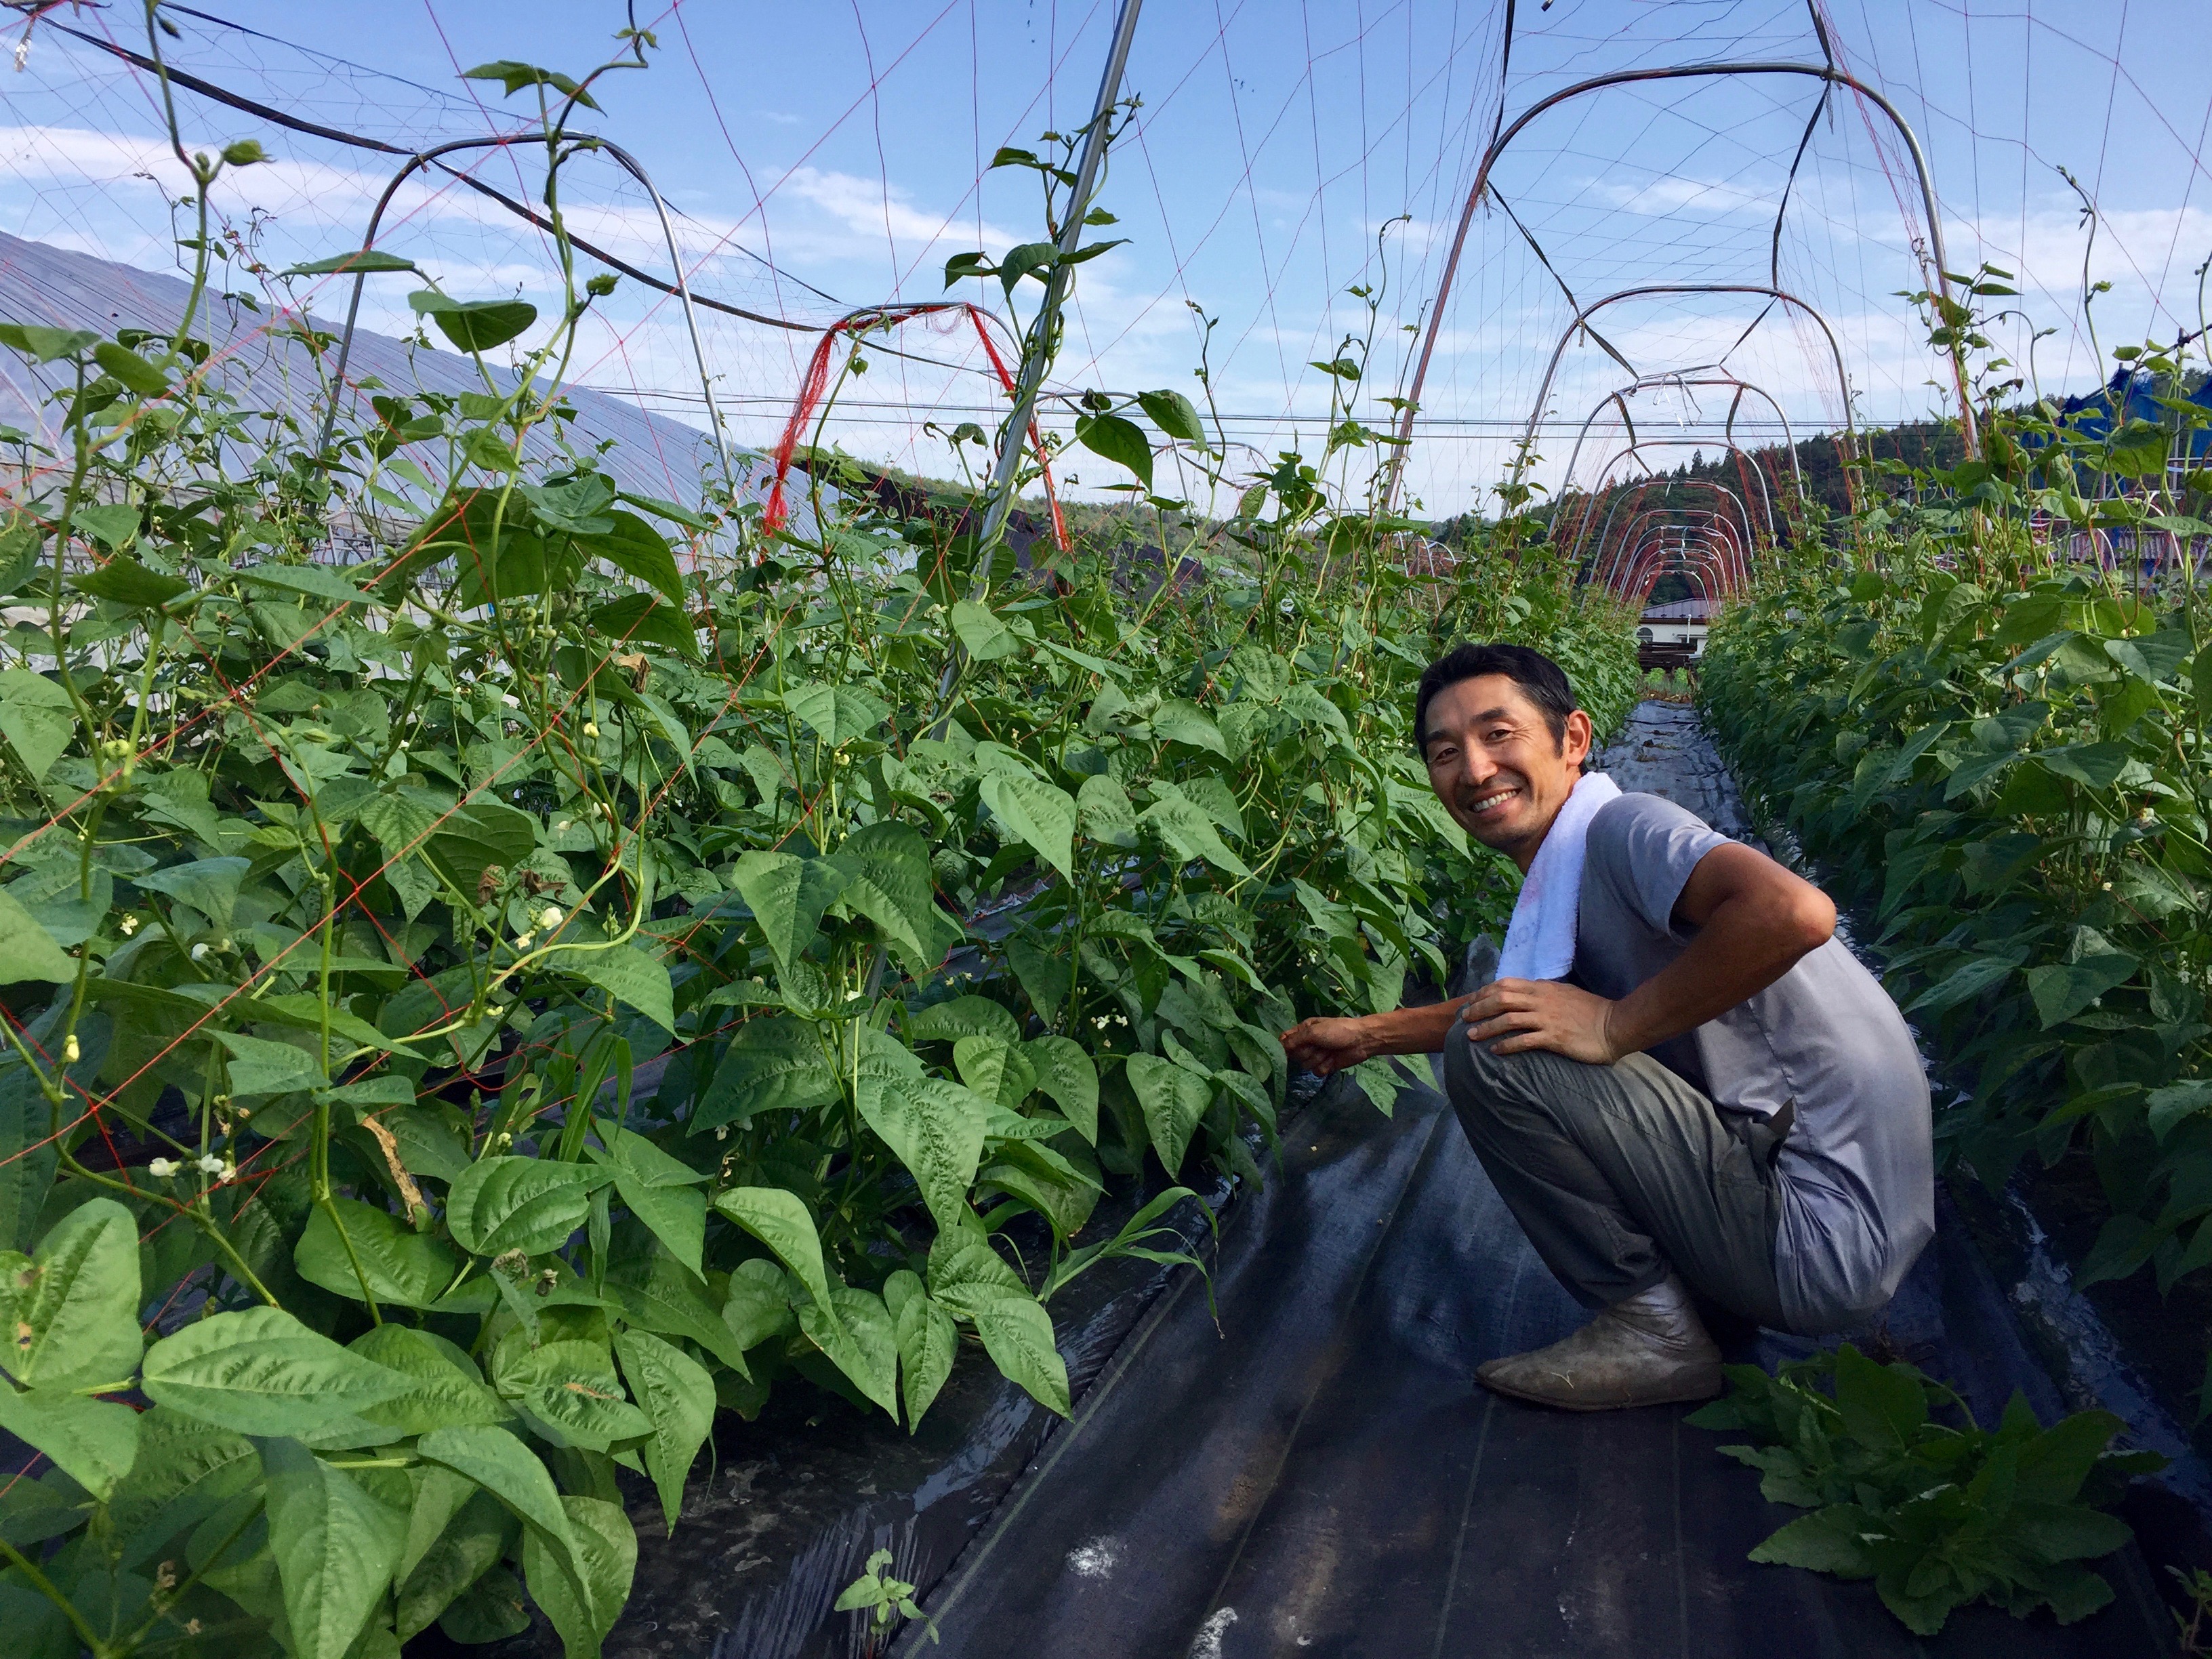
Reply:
x=261, y=359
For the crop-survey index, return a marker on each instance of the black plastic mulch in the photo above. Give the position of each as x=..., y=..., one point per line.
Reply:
x=1318, y=1475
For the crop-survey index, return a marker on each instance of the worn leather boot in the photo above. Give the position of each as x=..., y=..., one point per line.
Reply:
x=1649, y=1350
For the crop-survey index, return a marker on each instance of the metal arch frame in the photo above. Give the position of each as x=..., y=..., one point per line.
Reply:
x=1705, y=374
x=1711, y=573
x=1700, y=564
x=1715, y=531
x=1730, y=448
x=220, y=95
x=1765, y=501
x=1582, y=529
x=1602, y=568
x=1703, y=527
x=1708, y=560
x=1583, y=316
x=1739, y=538
x=1789, y=182
x=1703, y=561
x=1750, y=530
x=1827, y=73
x=1707, y=570
x=1605, y=565
x=629, y=164
x=1704, y=543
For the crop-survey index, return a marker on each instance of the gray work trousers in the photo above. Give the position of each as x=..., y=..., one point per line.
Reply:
x=1617, y=1173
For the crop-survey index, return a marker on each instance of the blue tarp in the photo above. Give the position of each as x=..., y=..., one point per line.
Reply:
x=2133, y=393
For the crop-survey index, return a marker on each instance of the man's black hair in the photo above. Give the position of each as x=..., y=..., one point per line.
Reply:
x=1543, y=680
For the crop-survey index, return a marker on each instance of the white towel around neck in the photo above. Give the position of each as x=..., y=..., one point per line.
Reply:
x=1539, y=941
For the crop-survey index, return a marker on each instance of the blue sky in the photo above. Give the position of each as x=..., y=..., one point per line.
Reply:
x=1276, y=143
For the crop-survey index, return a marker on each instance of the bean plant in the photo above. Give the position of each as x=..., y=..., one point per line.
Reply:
x=499, y=969
x=1905, y=1488
x=1996, y=749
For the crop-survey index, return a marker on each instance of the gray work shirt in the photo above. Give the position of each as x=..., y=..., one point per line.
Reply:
x=1856, y=1171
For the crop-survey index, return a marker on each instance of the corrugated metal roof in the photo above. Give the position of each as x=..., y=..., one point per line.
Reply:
x=1681, y=611
x=265, y=364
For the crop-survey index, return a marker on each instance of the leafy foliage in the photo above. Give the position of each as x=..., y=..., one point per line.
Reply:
x=486, y=1005
x=885, y=1600
x=1997, y=753
x=1939, y=1514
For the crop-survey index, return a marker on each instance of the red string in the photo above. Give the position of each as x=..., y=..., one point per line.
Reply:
x=817, y=381
x=1044, y=460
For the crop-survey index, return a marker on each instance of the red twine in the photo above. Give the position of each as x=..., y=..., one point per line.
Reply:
x=817, y=381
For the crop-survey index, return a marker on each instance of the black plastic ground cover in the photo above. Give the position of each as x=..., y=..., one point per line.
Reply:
x=1318, y=1473
x=796, y=1502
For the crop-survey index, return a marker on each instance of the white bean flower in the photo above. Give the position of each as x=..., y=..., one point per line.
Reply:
x=210, y=1164
x=162, y=1168
x=550, y=917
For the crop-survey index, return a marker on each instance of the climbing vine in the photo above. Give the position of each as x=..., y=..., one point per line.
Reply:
x=499, y=969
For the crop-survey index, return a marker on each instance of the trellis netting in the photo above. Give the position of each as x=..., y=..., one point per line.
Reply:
x=453, y=670
x=1260, y=178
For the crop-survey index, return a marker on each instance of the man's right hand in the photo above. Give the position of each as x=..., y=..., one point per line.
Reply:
x=1327, y=1046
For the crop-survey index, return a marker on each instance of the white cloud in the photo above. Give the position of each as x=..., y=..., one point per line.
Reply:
x=868, y=208
x=1664, y=194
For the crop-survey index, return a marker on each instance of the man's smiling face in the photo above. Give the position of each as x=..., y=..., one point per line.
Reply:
x=1496, y=766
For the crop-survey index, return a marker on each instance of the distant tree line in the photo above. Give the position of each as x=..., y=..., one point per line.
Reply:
x=1675, y=497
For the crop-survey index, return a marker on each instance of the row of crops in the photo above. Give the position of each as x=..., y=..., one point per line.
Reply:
x=1985, y=724
x=478, y=1011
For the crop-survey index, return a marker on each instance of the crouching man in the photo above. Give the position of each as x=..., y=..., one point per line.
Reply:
x=1679, y=1080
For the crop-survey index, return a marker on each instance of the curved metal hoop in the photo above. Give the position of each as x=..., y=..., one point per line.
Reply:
x=1726, y=447
x=1583, y=316
x=1713, y=557
x=1705, y=564
x=1711, y=375
x=1716, y=531
x=629, y=164
x=1707, y=553
x=1765, y=501
x=1827, y=73
x=1702, y=554
x=1599, y=565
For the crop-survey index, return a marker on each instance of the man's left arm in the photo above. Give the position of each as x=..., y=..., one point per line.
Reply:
x=1754, y=921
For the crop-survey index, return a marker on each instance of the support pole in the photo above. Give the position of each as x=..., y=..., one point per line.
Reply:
x=1034, y=359
x=1031, y=378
